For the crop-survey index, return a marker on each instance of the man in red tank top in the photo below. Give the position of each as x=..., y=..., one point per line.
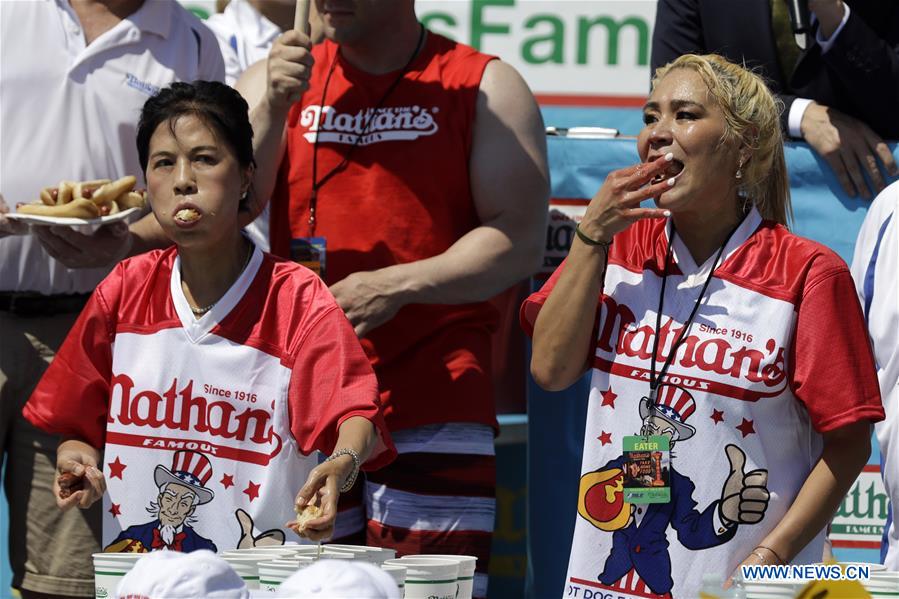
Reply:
x=417, y=167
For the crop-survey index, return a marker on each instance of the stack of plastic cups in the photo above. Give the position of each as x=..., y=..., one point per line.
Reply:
x=373, y=555
x=429, y=577
x=273, y=573
x=467, y=565
x=109, y=568
x=246, y=561
x=882, y=584
x=324, y=553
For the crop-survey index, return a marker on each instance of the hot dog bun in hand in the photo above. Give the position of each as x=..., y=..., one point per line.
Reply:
x=304, y=515
x=87, y=199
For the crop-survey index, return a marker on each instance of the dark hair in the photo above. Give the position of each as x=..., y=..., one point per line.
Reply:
x=219, y=106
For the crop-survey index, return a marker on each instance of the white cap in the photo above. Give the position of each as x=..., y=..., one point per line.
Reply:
x=333, y=579
x=176, y=575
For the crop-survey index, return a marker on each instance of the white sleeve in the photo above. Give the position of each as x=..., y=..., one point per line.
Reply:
x=212, y=64
x=826, y=44
x=219, y=26
x=875, y=269
x=794, y=118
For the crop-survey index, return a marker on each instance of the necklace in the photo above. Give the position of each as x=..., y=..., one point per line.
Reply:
x=318, y=183
x=205, y=309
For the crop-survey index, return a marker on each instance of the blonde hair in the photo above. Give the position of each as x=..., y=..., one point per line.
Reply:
x=752, y=116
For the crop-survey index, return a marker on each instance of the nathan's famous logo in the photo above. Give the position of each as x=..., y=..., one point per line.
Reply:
x=385, y=124
x=712, y=354
x=180, y=409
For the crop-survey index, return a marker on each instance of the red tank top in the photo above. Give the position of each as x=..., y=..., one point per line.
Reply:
x=403, y=196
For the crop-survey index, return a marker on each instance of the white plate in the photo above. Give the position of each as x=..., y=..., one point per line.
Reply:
x=88, y=225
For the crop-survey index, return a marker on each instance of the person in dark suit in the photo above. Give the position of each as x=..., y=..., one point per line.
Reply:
x=840, y=91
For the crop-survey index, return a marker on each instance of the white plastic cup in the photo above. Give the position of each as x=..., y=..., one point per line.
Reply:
x=429, y=578
x=109, y=569
x=247, y=566
x=313, y=550
x=882, y=584
x=274, y=550
x=273, y=573
x=398, y=573
x=375, y=555
x=467, y=565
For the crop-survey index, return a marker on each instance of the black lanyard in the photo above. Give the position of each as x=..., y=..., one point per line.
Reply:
x=654, y=380
x=318, y=183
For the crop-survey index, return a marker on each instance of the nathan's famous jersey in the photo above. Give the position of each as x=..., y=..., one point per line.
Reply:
x=207, y=424
x=776, y=354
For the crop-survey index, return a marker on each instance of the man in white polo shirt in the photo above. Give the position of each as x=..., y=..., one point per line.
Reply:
x=73, y=78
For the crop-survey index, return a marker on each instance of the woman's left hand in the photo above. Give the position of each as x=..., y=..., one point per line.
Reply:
x=321, y=489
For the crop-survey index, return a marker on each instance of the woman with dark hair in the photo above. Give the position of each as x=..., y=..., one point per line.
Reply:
x=206, y=374
x=707, y=325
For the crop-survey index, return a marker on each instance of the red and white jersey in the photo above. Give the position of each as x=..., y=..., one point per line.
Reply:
x=228, y=406
x=776, y=355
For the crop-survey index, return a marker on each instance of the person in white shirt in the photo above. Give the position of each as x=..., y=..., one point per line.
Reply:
x=246, y=30
x=875, y=268
x=74, y=77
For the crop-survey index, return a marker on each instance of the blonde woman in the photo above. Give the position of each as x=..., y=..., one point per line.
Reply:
x=708, y=327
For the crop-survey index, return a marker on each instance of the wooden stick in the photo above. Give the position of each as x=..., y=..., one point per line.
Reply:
x=301, y=16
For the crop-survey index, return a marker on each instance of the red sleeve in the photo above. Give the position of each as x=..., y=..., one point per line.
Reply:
x=833, y=371
x=531, y=307
x=72, y=398
x=331, y=381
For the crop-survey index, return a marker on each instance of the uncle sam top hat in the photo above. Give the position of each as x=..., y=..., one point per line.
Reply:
x=674, y=405
x=189, y=468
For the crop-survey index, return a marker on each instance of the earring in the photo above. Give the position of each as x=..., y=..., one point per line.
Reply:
x=739, y=173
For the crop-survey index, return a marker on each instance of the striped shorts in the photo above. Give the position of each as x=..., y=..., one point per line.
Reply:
x=438, y=496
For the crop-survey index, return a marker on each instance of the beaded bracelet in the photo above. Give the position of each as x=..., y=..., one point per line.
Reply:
x=351, y=479
x=590, y=241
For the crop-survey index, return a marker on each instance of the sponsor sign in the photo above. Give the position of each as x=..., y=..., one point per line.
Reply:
x=859, y=522
x=593, y=52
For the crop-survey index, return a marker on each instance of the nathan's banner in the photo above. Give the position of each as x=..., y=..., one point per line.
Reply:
x=569, y=51
x=583, y=51
x=859, y=522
